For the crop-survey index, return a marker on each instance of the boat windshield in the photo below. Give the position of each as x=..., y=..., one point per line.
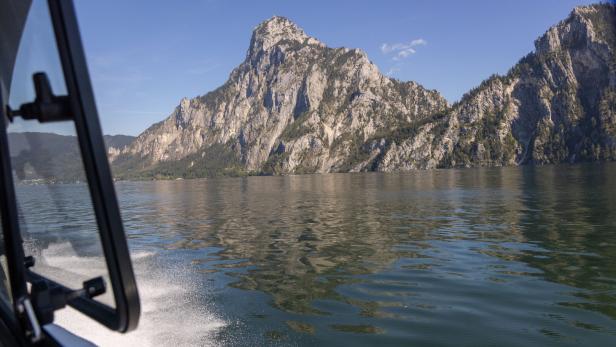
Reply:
x=56, y=215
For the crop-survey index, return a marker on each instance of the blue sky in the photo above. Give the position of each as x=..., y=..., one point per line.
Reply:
x=144, y=56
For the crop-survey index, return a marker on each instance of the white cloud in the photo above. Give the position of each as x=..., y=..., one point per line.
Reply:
x=402, y=50
x=392, y=71
x=418, y=42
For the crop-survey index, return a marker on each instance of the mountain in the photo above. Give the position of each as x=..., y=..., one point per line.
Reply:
x=558, y=104
x=117, y=141
x=293, y=105
x=53, y=157
x=297, y=106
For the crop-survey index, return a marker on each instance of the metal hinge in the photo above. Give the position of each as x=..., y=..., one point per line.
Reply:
x=25, y=310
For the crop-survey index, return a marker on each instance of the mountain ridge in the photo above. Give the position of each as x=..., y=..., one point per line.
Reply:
x=297, y=106
x=52, y=157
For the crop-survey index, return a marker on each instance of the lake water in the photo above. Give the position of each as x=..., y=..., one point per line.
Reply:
x=502, y=257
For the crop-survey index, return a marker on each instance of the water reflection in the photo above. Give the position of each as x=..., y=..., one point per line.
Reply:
x=526, y=254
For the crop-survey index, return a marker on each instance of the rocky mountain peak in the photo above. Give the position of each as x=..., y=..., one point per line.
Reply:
x=277, y=29
x=184, y=104
x=584, y=26
x=297, y=106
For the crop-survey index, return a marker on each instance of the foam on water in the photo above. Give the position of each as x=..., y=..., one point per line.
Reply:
x=173, y=309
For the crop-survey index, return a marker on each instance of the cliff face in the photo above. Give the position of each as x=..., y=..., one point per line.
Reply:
x=293, y=105
x=558, y=104
x=297, y=106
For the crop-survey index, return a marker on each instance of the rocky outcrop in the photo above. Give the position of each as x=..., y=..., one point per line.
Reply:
x=297, y=106
x=558, y=104
x=293, y=105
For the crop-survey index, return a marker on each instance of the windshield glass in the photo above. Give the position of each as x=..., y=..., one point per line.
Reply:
x=56, y=217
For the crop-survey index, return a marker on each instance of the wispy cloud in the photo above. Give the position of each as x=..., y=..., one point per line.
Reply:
x=392, y=71
x=402, y=50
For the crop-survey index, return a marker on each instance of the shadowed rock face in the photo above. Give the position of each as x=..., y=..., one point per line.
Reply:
x=297, y=106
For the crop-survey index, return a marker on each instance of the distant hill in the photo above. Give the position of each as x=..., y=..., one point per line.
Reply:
x=52, y=157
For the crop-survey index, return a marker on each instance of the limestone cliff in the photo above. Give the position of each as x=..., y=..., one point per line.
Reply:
x=558, y=104
x=297, y=106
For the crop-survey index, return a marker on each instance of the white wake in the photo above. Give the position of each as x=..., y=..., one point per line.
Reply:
x=172, y=304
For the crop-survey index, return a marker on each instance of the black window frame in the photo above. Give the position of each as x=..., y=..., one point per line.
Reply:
x=125, y=316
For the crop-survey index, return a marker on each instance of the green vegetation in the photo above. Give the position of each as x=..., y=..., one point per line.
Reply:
x=603, y=20
x=599, y=130
x=296, y=129
x=305, y=166
x=274, y=164
x=402, y=88
x=358, y=150
x=410, y=130
x=335, y=60
x=607, y=111
x=216, y=160
x=482, y=144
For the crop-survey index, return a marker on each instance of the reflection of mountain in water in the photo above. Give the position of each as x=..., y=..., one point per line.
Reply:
x=404, y=245
x=571, y=214
x=527, y=254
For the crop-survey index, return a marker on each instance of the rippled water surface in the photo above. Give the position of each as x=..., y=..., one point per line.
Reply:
x=507, y=257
